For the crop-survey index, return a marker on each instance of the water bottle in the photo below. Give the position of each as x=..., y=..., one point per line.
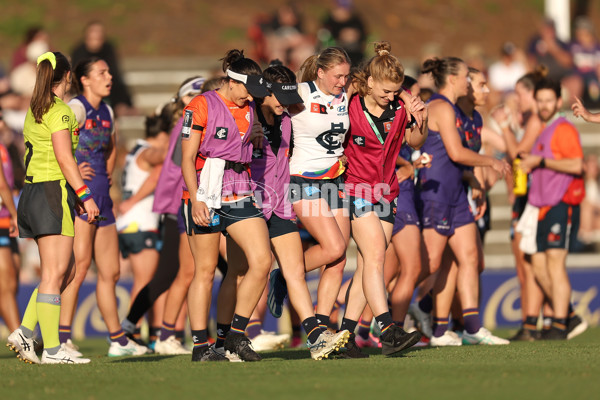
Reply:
x=519, y=178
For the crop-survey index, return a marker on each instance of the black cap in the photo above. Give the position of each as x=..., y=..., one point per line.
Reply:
x=285, y=93
x=255, y=84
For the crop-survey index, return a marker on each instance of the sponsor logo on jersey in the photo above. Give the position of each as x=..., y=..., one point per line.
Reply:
x=90, y=124
x=341, y=109
x=359, y=140
x=387, y=126
x=257, y=153
x=65, y=119
x=221, y=133
x=318, y=108
x=186, y=130
x=105, y=124
x=330, y=139
x=76, y=132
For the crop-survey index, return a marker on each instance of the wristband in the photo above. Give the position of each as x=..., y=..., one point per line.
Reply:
x=84, y=193
x=542, y=163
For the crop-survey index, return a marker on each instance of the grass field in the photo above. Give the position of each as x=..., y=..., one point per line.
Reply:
x=549, y=370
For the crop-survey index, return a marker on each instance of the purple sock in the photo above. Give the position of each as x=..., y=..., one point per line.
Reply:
x=119, y=337
x=64, y=333
x=471, y=320
x=167, y=330
x=440, y=326
x=426, y=303
x=253, y=329
x=364, y=328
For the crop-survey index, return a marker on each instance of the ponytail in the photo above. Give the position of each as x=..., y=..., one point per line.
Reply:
x=51, y=70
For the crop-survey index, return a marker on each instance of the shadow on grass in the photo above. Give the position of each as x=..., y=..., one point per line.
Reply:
x=286, y=354
x=143, y=359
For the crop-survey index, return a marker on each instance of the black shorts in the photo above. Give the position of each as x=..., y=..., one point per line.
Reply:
x=223, y=218
x=385, y=211
x=133, y=243
x=517, y=210
x=279, y=226
x=7, y=241
x=46, y=208
x=558, y=228
x=332, y=190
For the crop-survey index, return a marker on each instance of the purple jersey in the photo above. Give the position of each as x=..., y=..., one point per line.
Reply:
x=443, y=181
x=270, y=168
x=94, y=144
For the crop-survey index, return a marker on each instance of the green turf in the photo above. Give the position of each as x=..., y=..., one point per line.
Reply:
x=550, y=370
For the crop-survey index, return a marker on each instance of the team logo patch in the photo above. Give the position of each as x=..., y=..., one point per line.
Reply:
x=76, y=132
x=105, y=124
x=65, y=119
x=221, y=133
x=216, y=220
x=330, y=139
x=359, y=140
x=311, y=190
x=257, y=153
x=318, y=108
x=90, y=124
x=362, y=203
x=186, y=129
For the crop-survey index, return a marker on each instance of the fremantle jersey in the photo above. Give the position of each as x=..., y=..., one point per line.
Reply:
x=470, y=129
x=95, y=136
x=442, y=182
x=319, y=130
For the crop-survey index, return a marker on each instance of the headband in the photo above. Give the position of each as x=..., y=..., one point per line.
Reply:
x=48, y=56
x=238, y=77
x=193, y=86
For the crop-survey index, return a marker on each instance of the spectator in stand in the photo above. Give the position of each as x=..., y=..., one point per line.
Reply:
x=343, y=27
x=22, y=77
x=95, y=45
x=285, y=39
x=504, y=73
x=35, y=33
x=585, y=50
x=545, y=48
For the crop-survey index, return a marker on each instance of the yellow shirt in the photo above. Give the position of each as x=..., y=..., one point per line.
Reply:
x=40, y=162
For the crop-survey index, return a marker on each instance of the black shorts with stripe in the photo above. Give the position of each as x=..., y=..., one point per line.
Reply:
x=46, y=208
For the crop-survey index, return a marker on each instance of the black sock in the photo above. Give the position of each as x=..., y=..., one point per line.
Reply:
x=180, y=335
x=559, y=323
x=312, y=329
x=384, y=321
x=200, y=338
x=571, y=312
x=137, y=333
x=297, y=329
x=154, y=333
x=426, y=303
x=349, y=325
x=323, y=320
x=222, y=330
x=530, y=323
x=239, y=324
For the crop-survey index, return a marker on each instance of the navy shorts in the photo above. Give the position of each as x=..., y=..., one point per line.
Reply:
x=223, y=218
x=385, y=211
x=279, y=226
x=332, y=190
x=558, y=228
x=133, y=243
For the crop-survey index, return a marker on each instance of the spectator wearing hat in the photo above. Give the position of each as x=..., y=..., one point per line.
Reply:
x=546, y=48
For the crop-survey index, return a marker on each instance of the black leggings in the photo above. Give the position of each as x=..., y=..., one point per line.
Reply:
x=168, y=267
